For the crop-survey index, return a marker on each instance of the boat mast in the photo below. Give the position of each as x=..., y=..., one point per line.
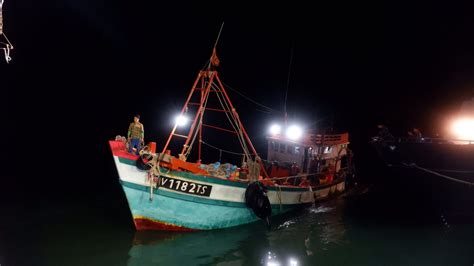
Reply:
x=213, y=56
x=287, y=86
x=210, y=83
x=204, y=94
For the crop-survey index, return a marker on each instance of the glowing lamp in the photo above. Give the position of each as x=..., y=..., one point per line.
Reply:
x=181, y=120
x=464, y=128
x=275, y=130
x=294, y=132
x=293, y=262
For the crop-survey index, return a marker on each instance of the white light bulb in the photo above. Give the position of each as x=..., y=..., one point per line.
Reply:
x=294, y=132
x=275, y=129
x=181, y=120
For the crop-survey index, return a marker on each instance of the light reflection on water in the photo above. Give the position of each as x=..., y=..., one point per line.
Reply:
x=338, y=232
x=322, y=235
x=291, y=239
x=199, y=248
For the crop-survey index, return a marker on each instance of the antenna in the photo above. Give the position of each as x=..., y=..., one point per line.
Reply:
x=219, y=35
x=288, y=85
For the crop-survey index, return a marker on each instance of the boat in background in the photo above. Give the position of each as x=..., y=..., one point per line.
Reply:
x=444, y=167
x=175, y=193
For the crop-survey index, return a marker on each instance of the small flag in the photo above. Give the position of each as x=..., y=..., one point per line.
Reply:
x=214, y=59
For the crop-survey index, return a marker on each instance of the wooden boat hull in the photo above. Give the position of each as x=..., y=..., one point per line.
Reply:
x=175, y=206
x=446, y=158
x=436, y=171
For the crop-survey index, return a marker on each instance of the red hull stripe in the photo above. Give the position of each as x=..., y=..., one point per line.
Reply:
x=118, y=149
x=147, y=224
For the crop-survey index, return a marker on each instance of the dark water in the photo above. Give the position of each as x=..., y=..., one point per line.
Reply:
x=346, y=231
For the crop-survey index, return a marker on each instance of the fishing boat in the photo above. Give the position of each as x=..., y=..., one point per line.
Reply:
x=443, y=167
x=188, y=192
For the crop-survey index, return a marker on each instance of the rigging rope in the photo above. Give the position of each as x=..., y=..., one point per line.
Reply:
x=188, y=150
x=232, y=121
x=288, y=80
x=279, y=195
x=240, y=154
x=1, y=17
x=413, y=165
x=251, y=100
x=8, y=45
x=453, y=171
x=222, y=150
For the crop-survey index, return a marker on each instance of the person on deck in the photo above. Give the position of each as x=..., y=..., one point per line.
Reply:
x=417, y=134
x=135, y=135
x=384, y=134
x=244, y=171
x=294, y=171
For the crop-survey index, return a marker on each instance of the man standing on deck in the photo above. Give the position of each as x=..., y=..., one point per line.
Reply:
x=135, y=135
x=384, y=134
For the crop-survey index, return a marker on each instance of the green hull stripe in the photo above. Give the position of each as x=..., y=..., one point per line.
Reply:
x=127, y=161
x=208, y=201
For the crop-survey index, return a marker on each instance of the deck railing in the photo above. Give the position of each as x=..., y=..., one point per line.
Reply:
x=330, y=139
x=426, y=140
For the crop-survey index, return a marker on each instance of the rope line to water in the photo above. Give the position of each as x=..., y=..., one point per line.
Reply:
x=413, y=165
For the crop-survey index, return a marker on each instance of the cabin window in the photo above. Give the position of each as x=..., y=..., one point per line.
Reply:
x=291, y=149
x=282, y=148
x=327, y=149
x=274, y=146
x=297, y=150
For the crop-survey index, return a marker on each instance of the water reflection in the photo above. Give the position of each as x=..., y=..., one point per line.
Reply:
x=341, y=232
x=297, y=240
x=293, y=240
x=199, y=248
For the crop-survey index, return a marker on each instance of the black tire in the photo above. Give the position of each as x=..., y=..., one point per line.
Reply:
x=257, y=200
x=141, y=164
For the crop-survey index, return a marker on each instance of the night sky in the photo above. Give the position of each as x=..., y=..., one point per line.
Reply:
x=82, y=69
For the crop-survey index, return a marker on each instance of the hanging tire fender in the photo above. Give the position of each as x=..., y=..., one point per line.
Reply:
x=256, y=199
x=142, y=162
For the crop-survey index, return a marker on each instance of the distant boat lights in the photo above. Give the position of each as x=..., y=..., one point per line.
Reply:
x=463, y=128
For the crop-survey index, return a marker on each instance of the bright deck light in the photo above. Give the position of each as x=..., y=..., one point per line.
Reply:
x=464, y=128
x=294, y=132
x=181, y=120
x=293, y=262
x=275, y=129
